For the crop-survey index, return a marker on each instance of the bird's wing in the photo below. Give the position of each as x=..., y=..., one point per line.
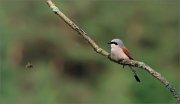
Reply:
x=125, y=50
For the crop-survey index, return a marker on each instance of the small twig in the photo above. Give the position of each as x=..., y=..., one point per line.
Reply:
x=101, y=51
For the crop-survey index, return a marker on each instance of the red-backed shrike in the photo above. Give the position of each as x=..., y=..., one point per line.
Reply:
x=120, y=52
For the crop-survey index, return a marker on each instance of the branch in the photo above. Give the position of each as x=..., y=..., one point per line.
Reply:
x=101, y=51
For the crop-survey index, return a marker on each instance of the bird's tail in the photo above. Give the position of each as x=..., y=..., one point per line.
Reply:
x=135, y=75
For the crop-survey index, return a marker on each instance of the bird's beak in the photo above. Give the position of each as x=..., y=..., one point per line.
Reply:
x=109, y=43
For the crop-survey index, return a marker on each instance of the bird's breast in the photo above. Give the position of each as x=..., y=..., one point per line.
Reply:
x=118, y=54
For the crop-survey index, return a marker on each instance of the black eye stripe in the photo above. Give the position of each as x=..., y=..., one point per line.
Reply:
x=114, y=43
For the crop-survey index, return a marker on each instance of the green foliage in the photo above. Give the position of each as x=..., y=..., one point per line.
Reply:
x=66, y=69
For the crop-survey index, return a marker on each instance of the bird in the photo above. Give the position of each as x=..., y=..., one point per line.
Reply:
x=120, y=52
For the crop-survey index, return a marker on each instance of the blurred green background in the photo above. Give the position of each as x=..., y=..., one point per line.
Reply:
x=66, y=70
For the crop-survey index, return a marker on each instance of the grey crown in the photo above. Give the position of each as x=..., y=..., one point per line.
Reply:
x=119, y=42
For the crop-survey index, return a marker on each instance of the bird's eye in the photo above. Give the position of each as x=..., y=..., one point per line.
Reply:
x=114, y=43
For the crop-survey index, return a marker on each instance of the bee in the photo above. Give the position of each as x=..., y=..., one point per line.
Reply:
x=29, y=65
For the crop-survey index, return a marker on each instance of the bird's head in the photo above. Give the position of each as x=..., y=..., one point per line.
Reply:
x=116, y=43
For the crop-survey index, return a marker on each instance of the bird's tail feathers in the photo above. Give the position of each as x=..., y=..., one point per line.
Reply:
x=135, y=75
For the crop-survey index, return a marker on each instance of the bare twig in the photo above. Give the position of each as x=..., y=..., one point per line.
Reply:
x=101, y=51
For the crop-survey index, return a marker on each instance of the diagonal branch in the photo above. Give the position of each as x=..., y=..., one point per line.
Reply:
x=101, y=51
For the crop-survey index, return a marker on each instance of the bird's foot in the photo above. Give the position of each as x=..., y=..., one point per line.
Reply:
x=123, y=66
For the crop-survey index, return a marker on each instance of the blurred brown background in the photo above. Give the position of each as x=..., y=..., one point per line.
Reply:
x=67, y=70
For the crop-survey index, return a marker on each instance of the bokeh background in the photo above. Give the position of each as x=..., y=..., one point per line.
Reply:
x=66, y=70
